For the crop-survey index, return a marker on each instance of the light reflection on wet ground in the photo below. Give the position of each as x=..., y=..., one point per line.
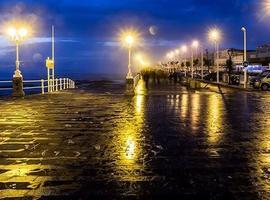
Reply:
x=97, y=142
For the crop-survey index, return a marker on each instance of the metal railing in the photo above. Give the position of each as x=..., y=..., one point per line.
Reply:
x=136, y=79
x=44, y=85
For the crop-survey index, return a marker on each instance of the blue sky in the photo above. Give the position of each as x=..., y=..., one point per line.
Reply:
x=87, y=30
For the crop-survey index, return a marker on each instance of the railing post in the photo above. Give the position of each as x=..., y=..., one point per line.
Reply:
x=56, y=84
x=42, y=86
x=64, y=83
x=60, y=85
x=49, y=85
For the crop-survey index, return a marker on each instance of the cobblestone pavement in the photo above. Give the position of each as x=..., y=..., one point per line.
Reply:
x=95, y=142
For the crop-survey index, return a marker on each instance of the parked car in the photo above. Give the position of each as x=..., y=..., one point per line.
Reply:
x=261, y=81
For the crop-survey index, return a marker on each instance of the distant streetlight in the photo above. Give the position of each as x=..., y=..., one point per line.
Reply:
x=184, y=51
x=170, y=55
x=17, y=35
x=245, y=55
x=214, y=36
x=194, y=45
x=177, y=56
x=245, y=43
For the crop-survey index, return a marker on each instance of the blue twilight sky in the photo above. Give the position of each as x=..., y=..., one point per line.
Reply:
x=87, y=30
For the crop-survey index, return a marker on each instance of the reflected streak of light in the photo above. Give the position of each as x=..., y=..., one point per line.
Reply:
x=129, y=141
x=184, y=106
x=214, y=119
x=195, y=110
x=130, y=149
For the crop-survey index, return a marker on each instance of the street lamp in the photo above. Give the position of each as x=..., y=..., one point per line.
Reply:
x=245, y=43
x=194, y=45
x=214, y=35
x=245, y=55
x=184, y=51
x=177, y=57
x=129, y=40
x=17, y=35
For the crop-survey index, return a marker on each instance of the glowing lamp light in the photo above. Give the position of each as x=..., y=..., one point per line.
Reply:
x=17, y=35
x=184, y=48
x=129, y=40
x=195, y=44
x=214, y=35
x=177, y=51
x=12, y=32
x=23, y=32
x=170, y=55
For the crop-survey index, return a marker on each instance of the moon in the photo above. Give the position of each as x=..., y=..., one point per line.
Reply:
x=153, y=30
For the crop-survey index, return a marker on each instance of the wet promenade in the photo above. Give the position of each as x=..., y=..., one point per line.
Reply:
x=95, y=142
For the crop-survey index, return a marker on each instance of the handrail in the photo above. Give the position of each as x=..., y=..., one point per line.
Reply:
x=5, y=81
x=51, y=85
x=136, y=79
x=32, y=81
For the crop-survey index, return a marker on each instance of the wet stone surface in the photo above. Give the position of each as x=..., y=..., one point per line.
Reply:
x=95, y=142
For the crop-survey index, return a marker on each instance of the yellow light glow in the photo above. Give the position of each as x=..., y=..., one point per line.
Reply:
x=142, y=60
x=23, y=32
x=129, y=37
x=129, y=40
x=184, y=48
x=128, y=143
x=214, y=35
x=195, y=44
x=170, y=55
x=12, y=32
x=130, y=148
x=176, y=51
x=265, y=5
x=17, y=32
x=214, y=119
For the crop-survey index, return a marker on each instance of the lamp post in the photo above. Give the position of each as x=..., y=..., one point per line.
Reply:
x=177, y=58
x=215, y=36
x=195, y=45
x=245, y=56
x=17, y=35
x=129, y=40
x=202, y=56
x=184, y=51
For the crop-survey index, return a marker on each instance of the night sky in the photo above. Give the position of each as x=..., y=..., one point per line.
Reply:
x=87, y=31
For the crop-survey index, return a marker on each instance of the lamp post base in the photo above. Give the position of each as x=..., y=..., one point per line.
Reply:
x=129, y=76
x=18, y=87
x=130, y=86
